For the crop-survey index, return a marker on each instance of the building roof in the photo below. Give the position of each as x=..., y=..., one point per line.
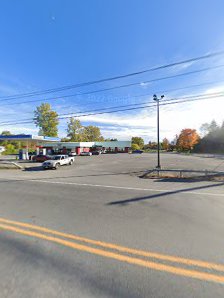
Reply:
x=24, y=137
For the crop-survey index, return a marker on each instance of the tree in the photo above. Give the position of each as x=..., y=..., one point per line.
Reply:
x=10, y=149
x=75, y=130
x=213, y=139
x=187, y=139
x=151, y=145
x=138, y=140
x=47, y=120
x=79, y=133
x=135, y=147
x=92, y=133
x=65, y=140
x=165, y=144
x=6, y=133
x=213, y=127
x=204, y=129
x=15, y=144
x=207, y=128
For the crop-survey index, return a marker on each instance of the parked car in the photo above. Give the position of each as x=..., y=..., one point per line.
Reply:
x=85, y=153
x=138, y=151
x=72, y=154
x=58, y=160
x=96, y=152
x=40, y=158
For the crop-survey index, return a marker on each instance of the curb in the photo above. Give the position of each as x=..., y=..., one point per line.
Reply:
x=184, y=174
x=10, y=165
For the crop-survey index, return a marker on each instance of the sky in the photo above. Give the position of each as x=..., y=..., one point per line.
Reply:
x=48, y=44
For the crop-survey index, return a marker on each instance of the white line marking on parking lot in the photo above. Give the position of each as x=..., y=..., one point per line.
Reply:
x=185, y=191
x=129, y=188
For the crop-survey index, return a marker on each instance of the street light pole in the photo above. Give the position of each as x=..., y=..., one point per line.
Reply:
x=158, y=143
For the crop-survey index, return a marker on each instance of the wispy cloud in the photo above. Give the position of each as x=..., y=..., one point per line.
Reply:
x=145, y=84
x=17, y=129
x=173, y=118
x=181, y=67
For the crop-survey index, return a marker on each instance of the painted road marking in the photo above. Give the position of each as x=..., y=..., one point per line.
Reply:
x=189, y=262
x=130, y=188
x=119, y=257
x=171, y=191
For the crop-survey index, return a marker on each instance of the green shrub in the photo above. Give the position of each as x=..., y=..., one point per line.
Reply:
x=10, y=149
x=135, y=147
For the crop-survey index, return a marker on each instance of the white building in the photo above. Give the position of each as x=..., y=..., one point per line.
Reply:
x=110, y=146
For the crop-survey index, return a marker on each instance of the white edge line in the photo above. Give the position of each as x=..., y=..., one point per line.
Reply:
x=127, y=188
x=122, y=187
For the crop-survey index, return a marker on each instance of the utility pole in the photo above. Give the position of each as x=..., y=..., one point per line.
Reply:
x=155, y=98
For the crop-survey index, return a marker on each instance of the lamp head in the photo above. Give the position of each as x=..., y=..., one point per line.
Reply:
x=154, y=97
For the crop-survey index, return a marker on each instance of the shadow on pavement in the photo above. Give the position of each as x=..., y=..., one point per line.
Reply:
x=215, y=156
x=55, y=264
x=34, y=169
x=136, y=173
x=165, y=193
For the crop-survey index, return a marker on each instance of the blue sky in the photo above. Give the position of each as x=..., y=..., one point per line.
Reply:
x=48, y=44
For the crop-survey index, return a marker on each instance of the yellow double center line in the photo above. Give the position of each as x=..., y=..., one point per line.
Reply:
x=135, y=258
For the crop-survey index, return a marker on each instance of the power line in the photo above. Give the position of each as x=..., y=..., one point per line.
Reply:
x=200, y=96
x=134, y=104
x=150, y=94
x=168, y=102
x=152, y=105
x=120, y=86
x=45, y=91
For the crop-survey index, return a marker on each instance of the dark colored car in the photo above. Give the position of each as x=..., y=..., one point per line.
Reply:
x=138, y=151
x=72, y=154
x=96, y=152
x=40, y=158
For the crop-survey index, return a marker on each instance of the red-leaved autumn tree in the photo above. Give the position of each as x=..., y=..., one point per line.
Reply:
x=187, y=139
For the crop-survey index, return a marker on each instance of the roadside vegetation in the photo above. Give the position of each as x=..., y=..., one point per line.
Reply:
x=188, y=141
x=11, y=147
x=213, y=139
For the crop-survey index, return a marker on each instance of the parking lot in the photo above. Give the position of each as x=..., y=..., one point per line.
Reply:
x=129, y=163
x=102, y=198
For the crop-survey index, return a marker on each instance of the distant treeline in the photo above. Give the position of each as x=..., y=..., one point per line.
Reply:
x=213, y=140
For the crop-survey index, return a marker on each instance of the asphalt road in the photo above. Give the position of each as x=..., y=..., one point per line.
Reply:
x=122, y=236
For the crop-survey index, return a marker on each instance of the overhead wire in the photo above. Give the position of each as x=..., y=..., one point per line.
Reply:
x=120, y=86
x=168, y=102
x=144, y=95
x=134, y=104
x=58, y=89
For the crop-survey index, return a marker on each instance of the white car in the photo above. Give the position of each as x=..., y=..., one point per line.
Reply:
x=57, y=161
x=85, y=153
